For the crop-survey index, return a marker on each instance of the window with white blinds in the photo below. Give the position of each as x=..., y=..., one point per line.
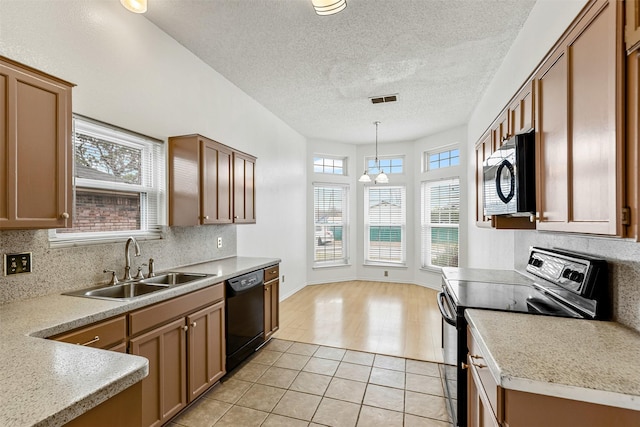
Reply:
x=440, y=223
x=330, y=221
x=119, y=185
x=385, y=225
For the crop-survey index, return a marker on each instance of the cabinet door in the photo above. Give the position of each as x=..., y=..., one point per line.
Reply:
x=275, y=305
x=479, y=413
x=500, y=130
x=633, y=142
x=483, y=151
x=632, y=29
x=243, y=188
x=521, y=117
x=35, y=146
x=216, y=183
x=184, y=181
x=552, y=157
x=164, y=391
x=580, y=167
x=206, y=348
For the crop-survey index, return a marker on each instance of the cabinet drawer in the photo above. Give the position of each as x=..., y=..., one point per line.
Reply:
x=101, y=335
x=477, y=364
x=271, y=273
x=148, y=317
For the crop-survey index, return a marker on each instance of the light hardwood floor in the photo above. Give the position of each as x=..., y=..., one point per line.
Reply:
x=387, y=318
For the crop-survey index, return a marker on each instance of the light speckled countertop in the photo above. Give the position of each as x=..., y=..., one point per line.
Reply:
x=48, y=383
x=585, y=360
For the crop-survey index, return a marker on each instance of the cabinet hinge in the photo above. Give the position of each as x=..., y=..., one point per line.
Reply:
x=626, y=215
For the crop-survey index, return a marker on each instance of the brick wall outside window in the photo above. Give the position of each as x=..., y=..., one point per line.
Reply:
x=105, y=211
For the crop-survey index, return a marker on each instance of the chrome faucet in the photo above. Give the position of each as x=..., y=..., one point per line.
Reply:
x=127, y=265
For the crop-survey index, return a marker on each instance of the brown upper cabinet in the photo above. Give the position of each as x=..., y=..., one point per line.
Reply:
x=521, y=112
x=632, y=28
x=244, y=195
x=204, y=182
x=516, y=118
x=579, y=127
x=484, y=148
x=35, y=148
x=633, y=142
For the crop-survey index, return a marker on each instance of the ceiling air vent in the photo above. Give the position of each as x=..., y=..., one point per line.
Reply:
x=383, y=99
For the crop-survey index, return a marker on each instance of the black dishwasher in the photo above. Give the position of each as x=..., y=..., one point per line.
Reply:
x=244, y=316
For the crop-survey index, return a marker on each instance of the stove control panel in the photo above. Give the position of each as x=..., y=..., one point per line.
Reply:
x=560, y=268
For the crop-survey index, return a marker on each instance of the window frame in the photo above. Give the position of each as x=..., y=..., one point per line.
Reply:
x=367, y=223
x=344, y=160
x=152, y=186
x=426, y=157
x=376, y=171
x=427, y=226
x=344, y=260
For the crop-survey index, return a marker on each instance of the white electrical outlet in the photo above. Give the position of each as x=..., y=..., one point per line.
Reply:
x=219, y=242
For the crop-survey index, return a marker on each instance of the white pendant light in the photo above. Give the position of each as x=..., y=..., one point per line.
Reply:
x=328, y=7
x=135, y=6
x=382, y=177
x=365, y=177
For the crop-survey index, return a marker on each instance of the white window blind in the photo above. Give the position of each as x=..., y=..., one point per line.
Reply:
x=330, y=220
x=385, y=224
x=119, y=185
x=440, y=222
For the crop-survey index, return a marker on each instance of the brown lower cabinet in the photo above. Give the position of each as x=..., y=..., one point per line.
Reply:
x=271, y=301
x=206, y=349
x=489, y=405
x=164, y=389
x=183, y=339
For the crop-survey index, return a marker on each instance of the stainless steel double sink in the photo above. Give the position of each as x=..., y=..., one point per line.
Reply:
x=129, y=290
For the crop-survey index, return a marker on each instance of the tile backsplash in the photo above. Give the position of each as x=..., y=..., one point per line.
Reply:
x=56, y=270
x=622, y=255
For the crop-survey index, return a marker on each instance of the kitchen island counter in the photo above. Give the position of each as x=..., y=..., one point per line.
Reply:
x=49, y=383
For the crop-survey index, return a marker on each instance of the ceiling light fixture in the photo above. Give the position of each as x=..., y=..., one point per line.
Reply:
x=135, y=6
x=382, y=177
x=328, y=7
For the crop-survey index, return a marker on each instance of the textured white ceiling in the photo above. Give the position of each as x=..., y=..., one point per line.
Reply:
x=317, y=72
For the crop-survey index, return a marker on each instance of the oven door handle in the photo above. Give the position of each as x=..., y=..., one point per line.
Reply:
x=446, y=314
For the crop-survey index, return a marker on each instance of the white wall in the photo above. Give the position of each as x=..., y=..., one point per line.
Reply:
x=546, y=23
x=131, y=74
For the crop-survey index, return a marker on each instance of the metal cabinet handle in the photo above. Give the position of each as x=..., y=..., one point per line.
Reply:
x=95, y=339
x=206, y=217
x=476, y=356
x=185, y=328
x=193, y=325
x=477, y=365
x=64, y=215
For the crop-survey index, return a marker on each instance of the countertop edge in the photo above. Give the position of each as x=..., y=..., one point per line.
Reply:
x=565, y=391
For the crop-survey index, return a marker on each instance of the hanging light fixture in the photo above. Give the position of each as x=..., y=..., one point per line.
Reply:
x=135, y=6
x=382, y=177
x=328, y=7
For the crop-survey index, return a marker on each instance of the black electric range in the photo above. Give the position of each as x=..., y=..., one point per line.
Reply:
x=555, y=283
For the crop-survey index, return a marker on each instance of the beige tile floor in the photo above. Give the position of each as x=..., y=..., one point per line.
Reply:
x=294, y=384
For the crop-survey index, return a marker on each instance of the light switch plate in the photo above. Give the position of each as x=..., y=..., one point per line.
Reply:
x=17, y=263
x=219, y=242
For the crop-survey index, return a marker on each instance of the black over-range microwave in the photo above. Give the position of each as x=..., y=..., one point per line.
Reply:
x=509, y=178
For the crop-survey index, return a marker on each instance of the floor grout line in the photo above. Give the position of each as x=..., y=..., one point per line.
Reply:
x=360, y=405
